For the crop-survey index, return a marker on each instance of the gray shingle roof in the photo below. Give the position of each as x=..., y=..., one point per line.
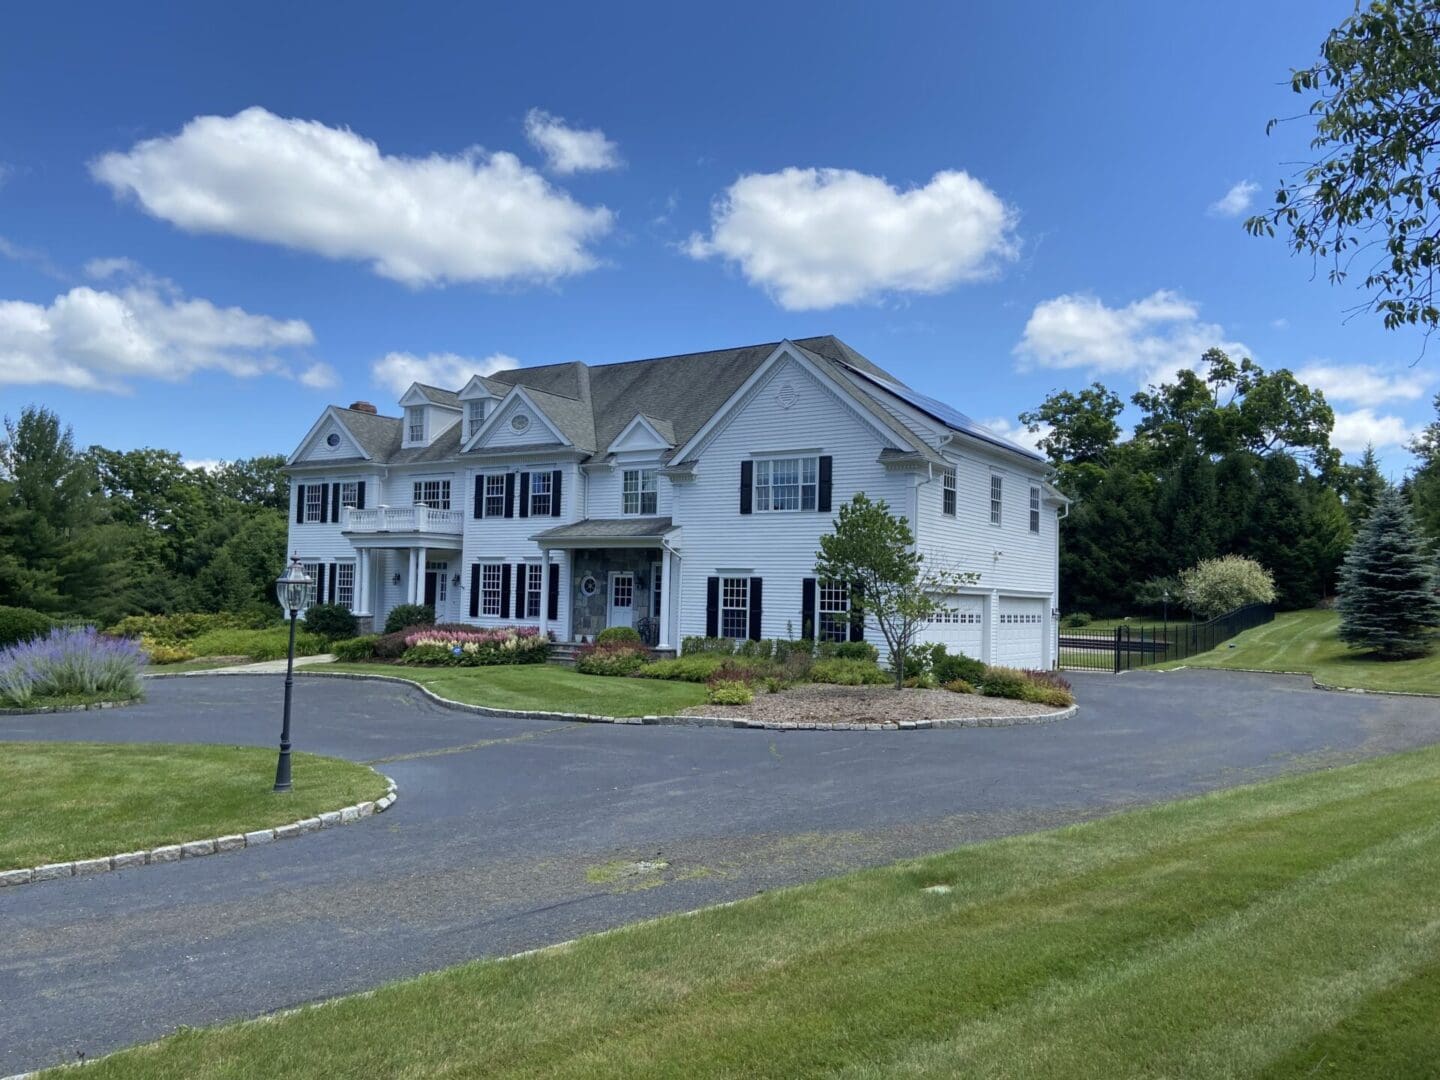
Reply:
x=449, y=398
x=609, y=529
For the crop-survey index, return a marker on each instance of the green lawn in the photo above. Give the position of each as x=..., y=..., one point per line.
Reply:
x=1305, y=641
x=1097, y=626
x=1287, y=929
x=68, y=801
x=542, y=688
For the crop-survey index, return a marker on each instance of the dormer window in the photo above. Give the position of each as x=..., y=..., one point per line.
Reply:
x=415, y=423
x=474, y=416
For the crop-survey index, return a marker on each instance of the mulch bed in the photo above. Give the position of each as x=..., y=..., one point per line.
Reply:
x=823, y=704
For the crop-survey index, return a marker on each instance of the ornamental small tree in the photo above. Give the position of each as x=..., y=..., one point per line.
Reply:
x=874, y=551
x=1387, y=598
x=1214, y=586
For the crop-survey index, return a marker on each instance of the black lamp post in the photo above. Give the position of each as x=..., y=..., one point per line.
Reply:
x=290, y=588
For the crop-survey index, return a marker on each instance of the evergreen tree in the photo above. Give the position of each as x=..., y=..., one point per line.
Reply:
x=1364, y=484
x=1388, y=602
x=1278, y=532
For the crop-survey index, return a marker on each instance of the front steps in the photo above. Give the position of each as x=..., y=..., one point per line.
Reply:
x=564, y=652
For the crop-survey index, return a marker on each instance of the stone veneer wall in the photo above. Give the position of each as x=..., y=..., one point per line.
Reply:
x=590, y=612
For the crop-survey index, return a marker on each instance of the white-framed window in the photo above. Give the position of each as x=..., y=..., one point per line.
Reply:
x=735, y=607
x=1034, y=509
x=495, y=495
x=786, y=483
x=441, y=571
x=490, y=574
x=349, y=493
x=474, y=416
x=433, y=493
x=530, y=579
x=639, y=491
x=344, y=585
x=997, y=493
x=314, y=502
x=313, y=570
x=832, y=611
x=948, y=491
x=540, y=494
x=415, y=423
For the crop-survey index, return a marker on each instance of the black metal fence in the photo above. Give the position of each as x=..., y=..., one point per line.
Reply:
x=1126, y=647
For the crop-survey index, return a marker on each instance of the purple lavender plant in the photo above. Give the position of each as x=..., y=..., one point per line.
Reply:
x=70, y=662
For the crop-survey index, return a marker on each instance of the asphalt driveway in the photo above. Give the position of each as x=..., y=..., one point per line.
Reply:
x=511, y=834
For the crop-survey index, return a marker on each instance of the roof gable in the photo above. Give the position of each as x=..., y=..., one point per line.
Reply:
x=316, y=446
x=643, y=433
x=503, y=427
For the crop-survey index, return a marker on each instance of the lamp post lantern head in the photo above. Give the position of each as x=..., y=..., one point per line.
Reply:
x=291, y=586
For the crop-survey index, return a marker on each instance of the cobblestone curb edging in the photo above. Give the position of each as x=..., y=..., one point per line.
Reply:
x=705, y=721
x=194, y=849
x=43, y=709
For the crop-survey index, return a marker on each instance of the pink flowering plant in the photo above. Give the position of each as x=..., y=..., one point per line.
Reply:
x=476, y=648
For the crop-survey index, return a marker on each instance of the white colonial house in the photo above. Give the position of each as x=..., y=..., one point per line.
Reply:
x=684, y=495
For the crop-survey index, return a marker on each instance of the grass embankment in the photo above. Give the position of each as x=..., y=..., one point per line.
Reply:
x=541, y=688
x=1287, y=929
x=68, y=801
x=1306, y=641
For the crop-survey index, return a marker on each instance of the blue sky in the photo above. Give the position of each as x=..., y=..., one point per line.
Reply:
x=217, y=220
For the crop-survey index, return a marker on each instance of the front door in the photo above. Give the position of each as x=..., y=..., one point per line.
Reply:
x=432, y=583
x=622, y=599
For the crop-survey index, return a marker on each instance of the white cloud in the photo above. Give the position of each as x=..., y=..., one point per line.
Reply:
x=1152, y=337
x=818, y=238
x=1363, y=384
x=1235, y=201
x=1017, y=432
x=319, y=376
x=209, y=464
x=423, y=221
x=570, y=150
x=397, y=370
x=93, y=339
x=1355, y=430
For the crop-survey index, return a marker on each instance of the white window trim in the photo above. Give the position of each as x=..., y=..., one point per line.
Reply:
x=1034, y=510
x=487, y=589
x=727, y=592
x=497, y=480
x=548, y=494
x=424, y=413
x=314, y=497
x=443, y=492
x=950, y=494
x=997, y=499
x=349, y=493
x=533, y=587
x=473, y=423
x=642, y=472
x=827, y=603
x=769, y=461
x=341, y=567
x=314, y=571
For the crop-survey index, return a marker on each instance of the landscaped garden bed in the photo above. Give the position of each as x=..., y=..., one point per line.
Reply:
x=828, y=706
x=69, y=668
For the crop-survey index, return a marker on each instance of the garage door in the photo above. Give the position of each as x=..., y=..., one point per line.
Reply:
x=1020, y=637
x=959, y=625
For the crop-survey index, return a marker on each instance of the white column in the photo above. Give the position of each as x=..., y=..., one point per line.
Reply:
x=667, y=590
x=420, y=575
x=544, y=591
x=362, y=582
x=410, y=577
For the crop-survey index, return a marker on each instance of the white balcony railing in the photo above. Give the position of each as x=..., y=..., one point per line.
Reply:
x=382, y=519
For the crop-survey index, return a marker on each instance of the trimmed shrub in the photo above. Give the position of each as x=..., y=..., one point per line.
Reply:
x=355, y=649
x=1051, y=680
x=848, y=673
x=947, y=668
x=692, y=667
x=787, y=647
x=1214, y=586
x=610, y=659
x=1046, y=695
x=331, y=621
x=471, y=647
x=729, y=692
x=960, y=686
x=926, y=681
x=618, y=635
x=22, y=624
x=165, y=654
x=1004, y=682
x=757, y=650
x=717, y=646
x=257, y=645
x=918, y=658
x=187, y=625
x=69, y=663
x=1077, y=619
x=408, y=615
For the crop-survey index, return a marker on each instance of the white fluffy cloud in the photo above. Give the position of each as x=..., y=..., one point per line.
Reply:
x=1017, y=432
x=1235, y=201
x=397, y=370
x=95, y=339
x=1355, y=430
x=1363, y=384
x=570, y=150
x=818, y=238
x=475, y=216
x=1152, y=337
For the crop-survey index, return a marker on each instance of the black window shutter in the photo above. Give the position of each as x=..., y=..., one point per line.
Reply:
x=335, y=502
x=756, y=607
x=324, y=503
x=522, y=583
x=857, y=613
x=822, y=496
x=554, y=613
x=360, y=495
x=475, y=590
x=555, y=494
x=334, y=567
x=504, y=588
x=807, y=608
x=524, y=494
x=509, y=494
x=479, y=511
x=712, y=607
x=299, y=504
x=747, y=485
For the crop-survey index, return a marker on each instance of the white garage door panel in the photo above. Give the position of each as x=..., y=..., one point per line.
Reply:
x=1020, y=638
x=959, y=625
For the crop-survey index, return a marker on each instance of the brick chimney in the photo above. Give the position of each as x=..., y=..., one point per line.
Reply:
x=363, y=406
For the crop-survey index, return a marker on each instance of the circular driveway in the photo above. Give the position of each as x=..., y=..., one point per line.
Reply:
x=510, y=834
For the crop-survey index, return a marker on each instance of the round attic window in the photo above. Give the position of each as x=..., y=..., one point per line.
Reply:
x=333, y=439
x=588, y=585
x=519, y=422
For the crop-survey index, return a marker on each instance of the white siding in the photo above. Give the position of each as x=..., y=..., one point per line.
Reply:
x=503, y=435
x=603, y=496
